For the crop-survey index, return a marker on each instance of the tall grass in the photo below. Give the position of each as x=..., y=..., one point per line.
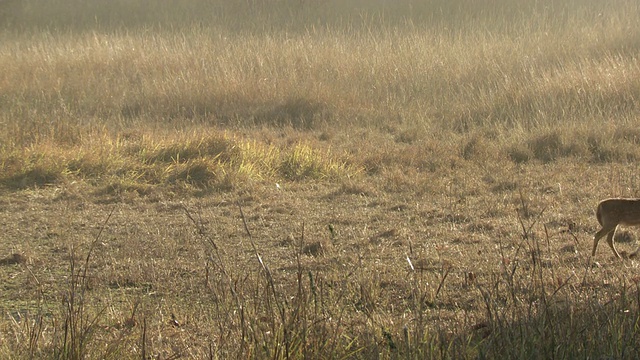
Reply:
x=433, y=69
x=525, y=66
x=194, y=97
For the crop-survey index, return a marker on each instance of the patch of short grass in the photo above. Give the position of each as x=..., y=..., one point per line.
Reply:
x=212, y=161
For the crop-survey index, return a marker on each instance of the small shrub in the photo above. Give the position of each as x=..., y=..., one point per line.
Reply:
x=547, y=147
x=43, y=171
x=299, y=113
x=520, y=153
x=627, y=134
x=475, y=148
x=183, y=150
x=121, y=186
x=199, y=173
x=302, y=162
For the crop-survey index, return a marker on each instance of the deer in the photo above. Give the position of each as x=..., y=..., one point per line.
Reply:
x=611, y=213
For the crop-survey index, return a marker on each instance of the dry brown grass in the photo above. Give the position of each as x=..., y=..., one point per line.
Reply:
x=417, y=180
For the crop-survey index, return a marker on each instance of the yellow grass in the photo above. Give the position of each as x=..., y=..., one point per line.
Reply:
x=415, y=83
x=418, y=178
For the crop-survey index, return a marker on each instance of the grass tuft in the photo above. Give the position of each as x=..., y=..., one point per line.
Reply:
x=302, y=162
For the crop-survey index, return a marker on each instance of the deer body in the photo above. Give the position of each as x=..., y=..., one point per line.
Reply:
x=614, y=212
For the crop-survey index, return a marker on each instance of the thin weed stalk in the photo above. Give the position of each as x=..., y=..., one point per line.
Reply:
x=79, y=324
x=267, y=272
x=215, y=257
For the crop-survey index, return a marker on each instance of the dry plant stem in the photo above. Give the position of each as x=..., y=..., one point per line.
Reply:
x=267, y=272
x=564, y=282
x=446, y=269
x=78, y=327
x=301, y=298
x=259, y=258
x=203, y=233
x=94, y=243
x=143, y=339
x=546, y=236
x=34, y=332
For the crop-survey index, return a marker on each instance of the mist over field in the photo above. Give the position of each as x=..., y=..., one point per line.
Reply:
x=316, y=179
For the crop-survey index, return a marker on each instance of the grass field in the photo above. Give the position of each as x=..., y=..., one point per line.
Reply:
x=316, y=179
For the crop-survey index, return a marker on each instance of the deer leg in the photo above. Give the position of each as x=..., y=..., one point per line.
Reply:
x=610, y=242
x=604, y=231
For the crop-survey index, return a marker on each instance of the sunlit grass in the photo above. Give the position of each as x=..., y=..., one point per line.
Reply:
x=58, y=86
x=416, y=177
x=180, y=161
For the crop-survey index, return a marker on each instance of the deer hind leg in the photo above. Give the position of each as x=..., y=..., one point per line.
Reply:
x=606, y=230
x=610, y=242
